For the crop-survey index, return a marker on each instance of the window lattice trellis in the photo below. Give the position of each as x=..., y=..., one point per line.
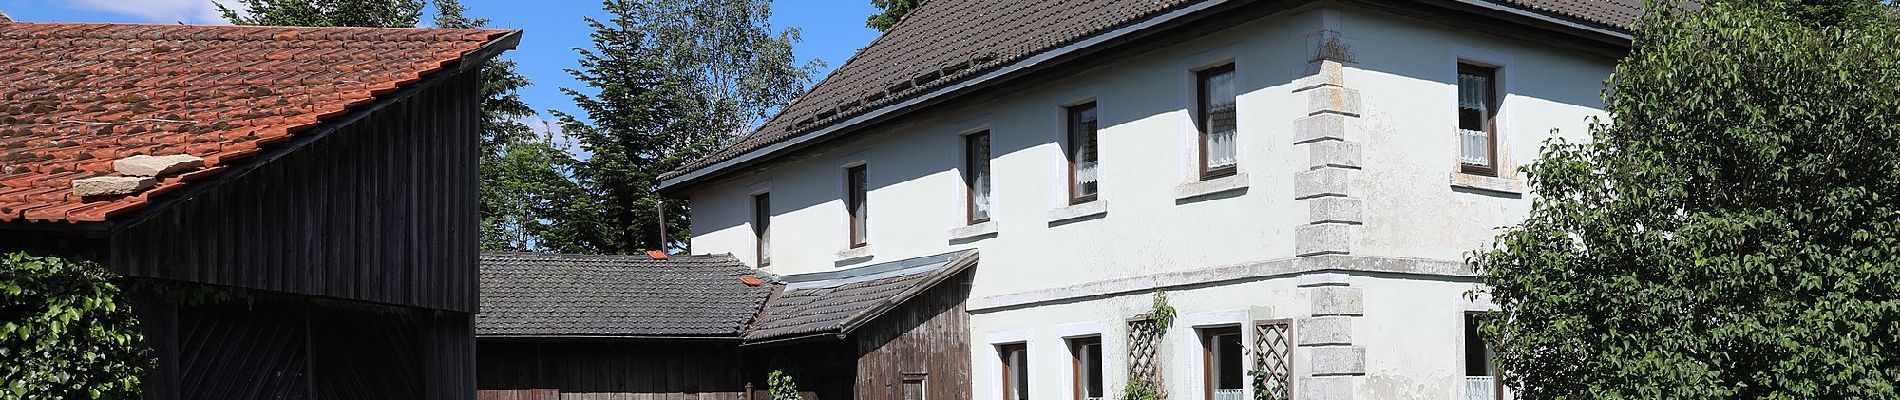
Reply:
x=1273, y=358
x=1144, y=351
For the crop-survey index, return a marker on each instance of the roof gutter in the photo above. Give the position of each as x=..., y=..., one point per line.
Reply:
x=1035, y=62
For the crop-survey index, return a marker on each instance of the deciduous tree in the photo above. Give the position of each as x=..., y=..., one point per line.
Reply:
x=1734, y=233
x=890, y=12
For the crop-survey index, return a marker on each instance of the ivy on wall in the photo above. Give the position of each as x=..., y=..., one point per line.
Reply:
x=67, y=331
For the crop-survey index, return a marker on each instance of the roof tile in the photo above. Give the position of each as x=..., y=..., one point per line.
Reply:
x=74, y=97
x=946, y=41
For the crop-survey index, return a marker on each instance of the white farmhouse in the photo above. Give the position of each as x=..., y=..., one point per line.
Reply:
x=1302, y=178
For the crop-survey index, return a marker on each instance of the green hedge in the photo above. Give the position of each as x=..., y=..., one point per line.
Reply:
x=66, y=331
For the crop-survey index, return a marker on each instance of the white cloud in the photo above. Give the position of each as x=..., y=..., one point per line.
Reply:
x=158, y=11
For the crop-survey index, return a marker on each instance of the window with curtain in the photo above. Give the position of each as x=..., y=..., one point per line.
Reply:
x=1477, y=125
x=1222, y=358
x=1216, y=121
x=976, y=167
x=762, y=227
x=855, y=207
x=1083, y=165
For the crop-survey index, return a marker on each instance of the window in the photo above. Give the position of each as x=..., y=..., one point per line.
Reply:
x=1087, y=353
x=1477, y=120
x=976, y=175
x=762, y=227
x=1215, y=118
x=1015, y=371
x=1481, y=372
x=854, y=181
x=1083, y=171
x=913, y=386
x=1221, y=361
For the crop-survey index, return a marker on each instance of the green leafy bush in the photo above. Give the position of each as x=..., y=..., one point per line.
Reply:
x=1735, y=233
x=66, y=332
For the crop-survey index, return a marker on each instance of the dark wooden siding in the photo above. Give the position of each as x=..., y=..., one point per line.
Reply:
x=380, y=210
x=929, y=335
x=610, y=371
x=292, y=347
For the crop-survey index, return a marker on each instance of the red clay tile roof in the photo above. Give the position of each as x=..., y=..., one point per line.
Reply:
x=75, y=97
x=945, y=41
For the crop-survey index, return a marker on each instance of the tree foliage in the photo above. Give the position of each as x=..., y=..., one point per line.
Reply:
x=66, y=331
x=357, y=13
x=668, y=81
x=890, y=12
x=527, y=179
x=1735, y=233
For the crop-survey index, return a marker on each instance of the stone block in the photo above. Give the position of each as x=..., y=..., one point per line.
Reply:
x=1336, y=360
x=1333, y=154
x=144, y=165
x=1327, y=387
x=1332, y=100
x=1322, y=127
x=1324, y=279
x=1322, y=73
x=1324, y=331
x=1336, y=300
x=1322, y=239
x=1344, y=210
x=112, y=185
x=1321, y=182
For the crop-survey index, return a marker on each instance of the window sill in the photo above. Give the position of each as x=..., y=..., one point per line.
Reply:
x=1487, y=183
x=973, y=231
x=1091, y=209
x=1191, y=190
x=855, y=253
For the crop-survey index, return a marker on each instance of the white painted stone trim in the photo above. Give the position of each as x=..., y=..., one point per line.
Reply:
x=1224, y=184
x=974, y=231
x=1083, y=329
x=1488, y=183
x=1216, y=318
x=1259, y=270
x=1078, y=211
x=854, y=254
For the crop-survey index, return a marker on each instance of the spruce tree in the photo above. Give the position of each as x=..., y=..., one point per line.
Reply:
x=668, y=82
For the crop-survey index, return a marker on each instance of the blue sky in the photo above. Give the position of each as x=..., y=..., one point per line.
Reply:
x=832, y=29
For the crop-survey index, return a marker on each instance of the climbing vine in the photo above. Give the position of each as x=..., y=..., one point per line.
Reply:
x=1145, y=331
x=779, y=384
x=67, y=331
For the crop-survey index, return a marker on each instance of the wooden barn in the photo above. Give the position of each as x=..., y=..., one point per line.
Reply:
x=710, y=327
x=295, y=206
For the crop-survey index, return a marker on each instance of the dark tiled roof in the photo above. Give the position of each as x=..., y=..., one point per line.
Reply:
x=635, y=296
x=75, y=97
x=836, y=303
x=945, y=41
x=1614, y=13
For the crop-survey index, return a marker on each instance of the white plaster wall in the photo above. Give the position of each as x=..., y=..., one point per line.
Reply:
x=1145, y=149
x=1404, y=75
x=1412, y=330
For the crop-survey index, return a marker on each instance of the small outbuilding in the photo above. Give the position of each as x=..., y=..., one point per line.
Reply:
x=710, y=327
x=296, y=206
